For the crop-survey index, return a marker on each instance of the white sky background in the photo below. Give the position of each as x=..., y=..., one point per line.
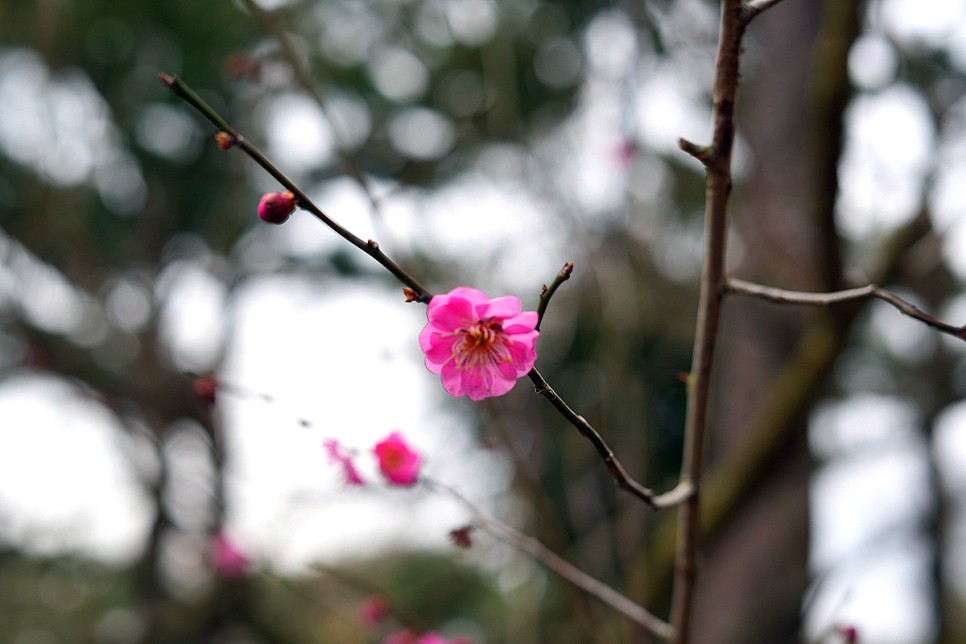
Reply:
x=347, y=359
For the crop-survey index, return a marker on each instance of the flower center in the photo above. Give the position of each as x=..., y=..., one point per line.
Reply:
x=482, y=344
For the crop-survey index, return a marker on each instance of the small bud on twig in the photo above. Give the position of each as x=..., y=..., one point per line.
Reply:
x=225, y=140
x=276, y=207
x=462, y=537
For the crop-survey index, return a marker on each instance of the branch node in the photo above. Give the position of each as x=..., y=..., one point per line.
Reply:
x=703, y=153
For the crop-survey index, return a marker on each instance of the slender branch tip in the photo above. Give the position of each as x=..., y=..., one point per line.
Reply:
x=702, y=153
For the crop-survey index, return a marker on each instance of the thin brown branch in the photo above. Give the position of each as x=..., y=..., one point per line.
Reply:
x=614, y=466
x=562, y=567
x=870, y=291
x=718, y=189
x=547, y=291
x=370, y=247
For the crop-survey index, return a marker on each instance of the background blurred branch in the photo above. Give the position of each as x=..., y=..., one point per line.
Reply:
x=741, y=287
x=303, y=76
x=571, y=573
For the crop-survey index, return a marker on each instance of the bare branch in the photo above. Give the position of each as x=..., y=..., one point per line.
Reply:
x=783, y=296
x=568, y=571
x=718, y=189
x=623, y=480
x=370, y=247
x=547, y=291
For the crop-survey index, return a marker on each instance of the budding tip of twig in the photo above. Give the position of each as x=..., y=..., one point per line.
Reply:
x=700, y=152
x=373, y=244
x=411, y=295
x=567, y=270
x=167, y=79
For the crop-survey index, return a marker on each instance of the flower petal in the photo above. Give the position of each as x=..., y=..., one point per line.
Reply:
x=521, y=323
x=500, y=307
x=452, y=313
x=437, y=345
x=452, y=379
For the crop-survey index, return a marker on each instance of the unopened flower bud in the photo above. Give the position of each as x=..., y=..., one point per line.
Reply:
x=276, y=207
x=225, y=140
x=462, y=537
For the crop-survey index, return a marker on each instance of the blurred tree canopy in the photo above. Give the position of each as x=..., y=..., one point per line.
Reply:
x=110, y=190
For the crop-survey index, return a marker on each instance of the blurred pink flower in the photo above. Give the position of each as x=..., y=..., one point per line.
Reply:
x=373, y=610
x=229, y=562
x=478, y=346
x=400, y=637
x=625, y=152
x=341, y=456
x=398, y=462
x=408, y=637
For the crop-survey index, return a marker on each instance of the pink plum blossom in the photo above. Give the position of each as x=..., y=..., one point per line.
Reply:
x=398, y=462
x=338, y=454
x=228, y=561
x=478, y=346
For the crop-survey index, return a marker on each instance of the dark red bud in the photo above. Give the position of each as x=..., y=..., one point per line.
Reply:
x=205, y=389
x=276, y=207
x=462, y=537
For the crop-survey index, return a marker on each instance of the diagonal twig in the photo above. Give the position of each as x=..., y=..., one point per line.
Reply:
x=870, y=291
x=370, y=247
x=562, y=567
x=679, y=494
